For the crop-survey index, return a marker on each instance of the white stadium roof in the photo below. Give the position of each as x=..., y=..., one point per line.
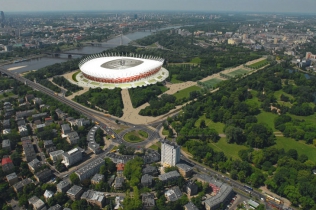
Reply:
x=118, y=66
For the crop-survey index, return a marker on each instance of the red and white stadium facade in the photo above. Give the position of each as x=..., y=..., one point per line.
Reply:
x=112, y=68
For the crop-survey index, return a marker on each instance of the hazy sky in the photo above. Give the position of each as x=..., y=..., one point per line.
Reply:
x=301, y=6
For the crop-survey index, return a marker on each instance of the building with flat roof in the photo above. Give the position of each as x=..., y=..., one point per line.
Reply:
x=73, y=156
x=223, y=197
x=190, y=206
x=147, y=180
x=29, y=151
x=37, y=203
x=172, y=175
x=97, y=178
x=56, y=207
x=34, y=165
x=94, y=147
x=173, y=194
x=191, y=188
x=7, y=165
x=23, y=130
x=184, y=169
x=56, y=155
x=6, y=144
x=148, y=200
x=118, y=183
x=63, y=186
x=12, y=178
x=94, y=198
x=18, y=187
x=44, y=175
x=170, y=153
x=72, y=137
x=65, y=128
x=75, y=192
x=90, y=169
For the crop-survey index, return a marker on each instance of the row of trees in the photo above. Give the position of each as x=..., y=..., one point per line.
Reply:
x=62, y=82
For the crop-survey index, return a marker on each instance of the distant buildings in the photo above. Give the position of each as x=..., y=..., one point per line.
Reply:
x=90, y=169
x=170, y=154
x=63, y=186
x=6, y=144
x=75, y=192
x=18, y=187
x=170, y=176
x=34, y=165
x=7, y=165
x=37, y=203
x=146, y=180
x=12, y=178
x=73, y=156
x=94, y=198
x=44, y=175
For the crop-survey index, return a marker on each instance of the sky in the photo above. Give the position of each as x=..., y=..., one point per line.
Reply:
x=275, y=6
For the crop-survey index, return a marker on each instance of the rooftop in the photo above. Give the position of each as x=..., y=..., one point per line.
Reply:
x=219, y=197
x=11, y=176
x=98, y=178
x=74, y=190
x=169, y=175
x=93, y=195
x=184, y=167
x=190, y=206
x=62, y=184
x=89, y=166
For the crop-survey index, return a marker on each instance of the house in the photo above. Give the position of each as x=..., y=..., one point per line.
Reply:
x=61, y=114
x=12, y=178
x=75, y=192
x=82, y=122
x=56, y=155
x=48, y=194
x=44, y=175
x=172, y=175
x=65, y=128
x=90, y=169
x=18, y=187
x=97, y=178
x=37, y=203
x=48, y=120
x=118, y=183
x=151, y=157
x=120, y=169
x=191, y=188
x=48, y=144
x=6, y=131
x=39, y=116
x=22, y=114
x=23, y=130
x=40, y=127
x=72, y=137
x=63, y=186
x=147, y=180
x=190, y=206
x=6, y=144
x=94, y=198
x=7, y=165
x=151, y=170
x=173, y=194
x=21, y=122
x=29, y=97
x=184, y=169
x=118, y=202
x=56, y=207
x=34, y=165
x=29, y=151
x=6, y=124
x=148, y=200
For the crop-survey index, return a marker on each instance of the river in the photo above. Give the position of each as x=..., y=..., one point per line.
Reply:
x=38, y=63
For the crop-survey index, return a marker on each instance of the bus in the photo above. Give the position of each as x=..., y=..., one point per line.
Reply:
x=247, y=187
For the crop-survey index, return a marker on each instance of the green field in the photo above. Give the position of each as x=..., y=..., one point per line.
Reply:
x=300, y=146
x=143, y=134
x=259, y=64
x=163, y=88
x=155, y=146
x=213, y=82
x=196, y=60
x=219, y=127
x=9, y=94
x=74, y=76
x=135, y=136
x=267, y=118
x=238, y=72
x=174, y=80
x=185, y=93
x=230, y=150
x=278, y=94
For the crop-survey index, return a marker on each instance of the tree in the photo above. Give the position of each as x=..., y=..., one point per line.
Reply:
x=234, y=134
x=74, y=178
x=133, y=170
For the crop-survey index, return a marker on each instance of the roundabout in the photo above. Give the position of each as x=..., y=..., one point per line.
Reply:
x=135, y=136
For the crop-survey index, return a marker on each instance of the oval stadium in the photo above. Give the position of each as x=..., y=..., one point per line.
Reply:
x=133, y=71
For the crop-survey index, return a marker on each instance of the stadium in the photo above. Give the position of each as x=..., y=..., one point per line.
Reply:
x=112, y=70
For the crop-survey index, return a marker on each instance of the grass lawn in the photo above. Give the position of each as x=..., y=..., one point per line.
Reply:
x=74, y=76
x=254, y=99
x=185, y=93
x=311, y=118
x=143, y=133
x=259, y=63
x=196, y=60
x=230, y=150
x=213, y=82
x=217, y=126
x=134, y=137
x=302, y=148
x=238, y=72
x=166, y=133
x=267, y=118
x=155, y=146
x=278, y=94
x=9, y=94
x=163, y=88
x=174, y=80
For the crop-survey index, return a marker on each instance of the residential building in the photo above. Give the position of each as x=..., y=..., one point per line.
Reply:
x=148, y=200
x=147, y=180
x=22, y=114
x=72, y=137
x=6, y=124
x=223, y=197
x=38, y=101
x=34, y=165
x=90, y=169
x=97, y=178
x=65, y=128
x=151, y=170
x=73, y=156
x=61, y=114
x=94, y=147
x=7, y=165
x=29, y=97
x=151, y=157
x=12, y=178
x=18, y=187
x=23, y=130
x=6, y=144
x=190, y=206
x=48, y=194
x=75, y=192
x=56, y=155
x=191, y=188
x=184, y=169
x=44, y=175
x=170, y=153
x=29, y=151
x=170, y=176
x=48, y=144
x=56, y=207
x=118, y=202
x=94, y=198
x=120, y=169
x=173, y=194
x=6, y=131
x=118, y=183
x=63, y=186
x=40, y=127
x=21, y=122
x=39, y=116
x=37, y=203
x=83, y=122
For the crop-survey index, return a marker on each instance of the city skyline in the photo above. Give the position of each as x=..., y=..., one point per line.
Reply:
x=278, y=6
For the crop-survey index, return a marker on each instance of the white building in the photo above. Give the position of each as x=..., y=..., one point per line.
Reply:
x=73, y=156
x=170, y=154
x=56, y=155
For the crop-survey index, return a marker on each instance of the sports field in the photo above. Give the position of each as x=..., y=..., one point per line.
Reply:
x=213, y=82
x=259, y=64
x=237, y=72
